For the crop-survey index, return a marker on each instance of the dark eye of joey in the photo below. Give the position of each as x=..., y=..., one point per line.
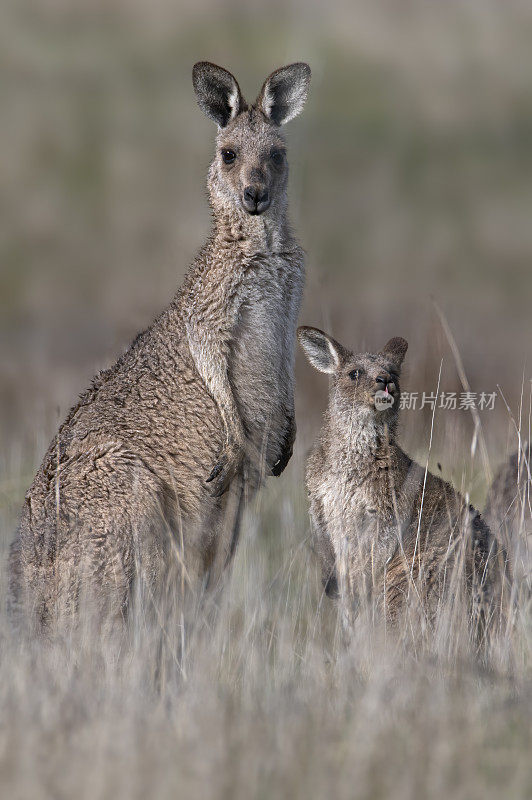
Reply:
x=228, y=156
x=355, y=374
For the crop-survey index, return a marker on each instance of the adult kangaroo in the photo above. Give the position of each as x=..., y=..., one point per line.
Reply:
x=154, y=462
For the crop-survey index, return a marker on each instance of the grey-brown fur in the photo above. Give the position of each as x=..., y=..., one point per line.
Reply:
x=152, y=464
x=508, y=509
x=387, y=532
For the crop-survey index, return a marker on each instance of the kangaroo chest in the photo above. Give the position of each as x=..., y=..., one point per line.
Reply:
x=261, y=361
x=363, y=530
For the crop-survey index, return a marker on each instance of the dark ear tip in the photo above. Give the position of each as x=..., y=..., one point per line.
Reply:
x=201, y=68
x=305, y=330
x=201, y=65
x=301, y=66
x=198, y=67
x=197, y=72
x=300, y=70
x=397, y=346
x=302, y=332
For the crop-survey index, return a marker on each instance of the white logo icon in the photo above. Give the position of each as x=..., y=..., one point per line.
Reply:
x=383, y=400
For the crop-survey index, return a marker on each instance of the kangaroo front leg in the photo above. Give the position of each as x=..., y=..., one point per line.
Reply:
x=209, y=349
x=294, y=291
x=229, y=464
x=324, y=549
x=287, y=445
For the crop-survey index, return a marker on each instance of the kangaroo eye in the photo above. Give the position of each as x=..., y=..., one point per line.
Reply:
x=355, y=374
x=277, y=156
x=228, y=156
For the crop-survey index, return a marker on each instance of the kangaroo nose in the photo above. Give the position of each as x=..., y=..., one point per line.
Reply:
x=255, y=199
x=385, y=380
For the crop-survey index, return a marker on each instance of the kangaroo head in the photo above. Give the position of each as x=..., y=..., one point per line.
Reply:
x=364, y=382
x=249, y=172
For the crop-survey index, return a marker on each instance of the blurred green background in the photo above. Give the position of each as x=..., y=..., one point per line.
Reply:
x=411, y=180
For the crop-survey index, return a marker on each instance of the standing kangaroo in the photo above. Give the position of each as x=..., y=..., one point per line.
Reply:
x=155, y=460
x=386, y=530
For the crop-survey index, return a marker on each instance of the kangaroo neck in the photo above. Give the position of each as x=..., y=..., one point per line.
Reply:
x=257, y=234
x=361, y=444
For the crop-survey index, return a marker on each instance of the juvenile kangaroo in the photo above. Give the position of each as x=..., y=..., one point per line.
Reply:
x=385, y=531
x=153, y=463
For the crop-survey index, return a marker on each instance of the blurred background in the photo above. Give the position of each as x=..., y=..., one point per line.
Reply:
x=411, y=182
x=411, y=190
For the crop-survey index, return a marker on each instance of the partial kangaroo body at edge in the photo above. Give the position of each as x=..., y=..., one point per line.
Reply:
x=389, y=534
x=153, y=463
x=508, y=509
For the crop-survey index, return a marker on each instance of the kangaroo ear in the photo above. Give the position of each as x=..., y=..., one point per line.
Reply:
x=217, y=92
x=284, y=93
x=395, y=349
x=323, y=352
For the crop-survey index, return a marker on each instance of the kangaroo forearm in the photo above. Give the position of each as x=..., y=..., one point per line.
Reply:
x=210, y=317
x=210, y=358
x=325, y=552
x=288, y=362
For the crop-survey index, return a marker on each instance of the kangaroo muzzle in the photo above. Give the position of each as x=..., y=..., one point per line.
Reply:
x=255, y=199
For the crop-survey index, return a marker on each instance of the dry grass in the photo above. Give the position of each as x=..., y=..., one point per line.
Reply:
x=410, y=179
x=258, y=693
